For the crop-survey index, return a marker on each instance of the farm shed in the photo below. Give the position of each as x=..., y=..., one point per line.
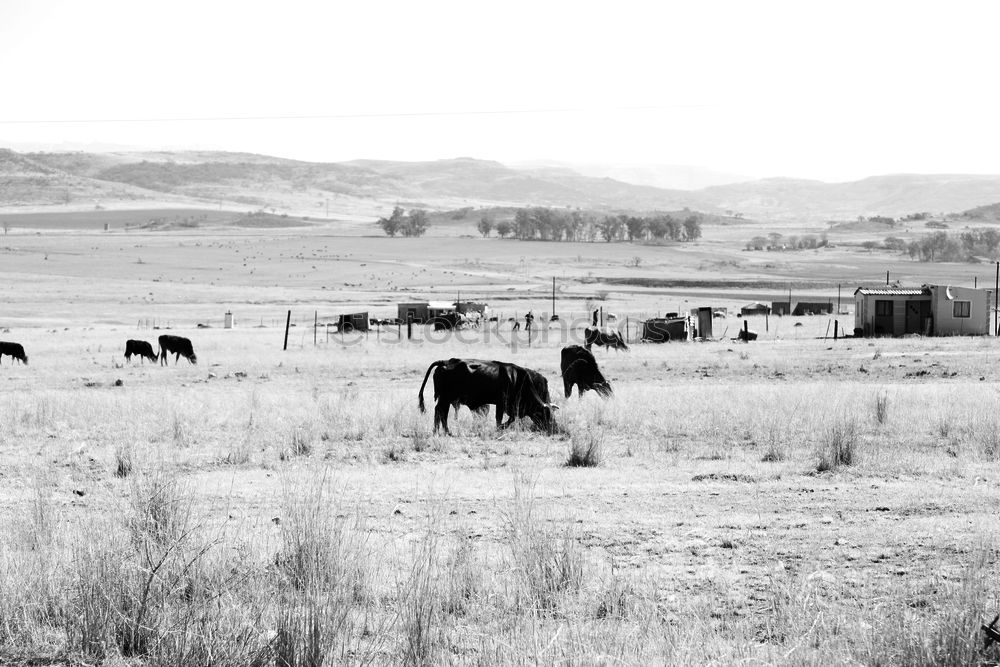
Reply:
x=664, y=329
x=802, y=307
x=353, y=322
x=931, y=310
x=423, y=312
x=415, y=312
x=755, y=308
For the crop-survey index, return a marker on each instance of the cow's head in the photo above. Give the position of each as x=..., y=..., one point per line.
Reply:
x=193, y=358
x=535, y=402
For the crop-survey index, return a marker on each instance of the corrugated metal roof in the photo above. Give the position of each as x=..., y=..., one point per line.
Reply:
x=893, y=291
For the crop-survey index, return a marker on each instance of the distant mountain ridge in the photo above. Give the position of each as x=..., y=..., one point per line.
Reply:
x=372, y=187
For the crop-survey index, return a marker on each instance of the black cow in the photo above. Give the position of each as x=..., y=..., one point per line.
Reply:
x=139, y=348
x=177, y=345
x=594, y=336
x=580, y=368
x=518, y=391
x=13, y=350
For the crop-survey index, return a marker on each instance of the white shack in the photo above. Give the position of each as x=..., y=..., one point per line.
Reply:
x=931, y=310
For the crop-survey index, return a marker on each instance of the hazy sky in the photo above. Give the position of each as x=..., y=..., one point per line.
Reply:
x=829, y=90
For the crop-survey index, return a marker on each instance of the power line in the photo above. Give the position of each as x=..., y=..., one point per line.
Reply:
x=412, y=114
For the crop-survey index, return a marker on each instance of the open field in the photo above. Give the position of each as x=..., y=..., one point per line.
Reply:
x=791, y=501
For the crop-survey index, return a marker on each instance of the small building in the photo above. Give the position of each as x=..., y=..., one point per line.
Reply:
x=802, y=307
x=931, y=310
x=423, y=312
x=755, y=308
x=813, y=308
x=415, y=312
x=665, y=329
x=353, y=322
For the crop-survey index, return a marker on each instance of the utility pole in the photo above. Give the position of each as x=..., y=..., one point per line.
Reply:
x=886, y=278
x=838, y=298
x=996, y=304
x=553, y=296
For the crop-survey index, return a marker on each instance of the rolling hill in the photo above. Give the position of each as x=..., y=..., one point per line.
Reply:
x=367, y=188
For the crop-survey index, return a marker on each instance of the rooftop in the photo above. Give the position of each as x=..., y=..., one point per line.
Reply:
x=893, y=291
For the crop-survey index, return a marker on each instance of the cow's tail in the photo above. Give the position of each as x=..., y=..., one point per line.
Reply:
x=420, y=396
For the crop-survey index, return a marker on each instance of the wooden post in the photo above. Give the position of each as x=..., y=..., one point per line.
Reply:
x=409, y=329
x=767, y=323
x=746, y=331
x=315, y=325
x=288, y=323
x=553, y=296
x=835, y=326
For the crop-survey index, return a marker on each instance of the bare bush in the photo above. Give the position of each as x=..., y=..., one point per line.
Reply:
x=838, y=445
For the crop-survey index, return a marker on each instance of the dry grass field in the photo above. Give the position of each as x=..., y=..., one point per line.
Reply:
x=790, y=501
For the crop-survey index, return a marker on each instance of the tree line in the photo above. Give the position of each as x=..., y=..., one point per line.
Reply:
x=551, y=224
x=776, y=241
x=944, y=247
x=413, y=224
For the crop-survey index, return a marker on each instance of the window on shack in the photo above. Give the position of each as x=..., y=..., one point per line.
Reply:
x=962, y=309
x=883, y=308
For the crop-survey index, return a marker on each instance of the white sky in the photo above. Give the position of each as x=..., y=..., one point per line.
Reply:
x=830, y=90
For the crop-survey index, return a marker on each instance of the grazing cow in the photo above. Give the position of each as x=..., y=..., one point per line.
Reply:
x=13, y=350
x=580, y=368
x=177, y=345
x=520, y=392
x=139, y=348
x=594, y=336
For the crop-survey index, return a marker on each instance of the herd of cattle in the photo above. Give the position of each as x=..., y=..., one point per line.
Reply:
x=176, y=345
x=516, y=391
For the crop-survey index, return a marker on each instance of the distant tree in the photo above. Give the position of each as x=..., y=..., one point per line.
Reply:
x=758, y=242
x=692, y=228
x=634, y=227
x=504, y=228
x=485, y=226
x=394, y=223
x=774, y=238
x=894, y=243
x=610, y=227
x=416, y=223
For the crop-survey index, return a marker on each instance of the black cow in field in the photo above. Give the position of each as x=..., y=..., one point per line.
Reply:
x=580, y=368
x=594, y=336
x=514, y=390
x=177, y=345
x=139, y=348
x=13, y=350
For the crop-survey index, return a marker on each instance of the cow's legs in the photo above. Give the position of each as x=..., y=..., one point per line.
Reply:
x=177, y=357
x=441, y=416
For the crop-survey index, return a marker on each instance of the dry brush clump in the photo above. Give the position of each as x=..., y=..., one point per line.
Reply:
x=547, y=561
x=586, y=447
x=838, y=444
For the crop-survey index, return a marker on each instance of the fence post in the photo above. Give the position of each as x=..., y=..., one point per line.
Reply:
x=288, y=323
x=835, y=326
x=315, y=325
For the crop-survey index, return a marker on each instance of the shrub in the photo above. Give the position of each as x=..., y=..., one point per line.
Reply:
x=585, y=448
x=837, y=445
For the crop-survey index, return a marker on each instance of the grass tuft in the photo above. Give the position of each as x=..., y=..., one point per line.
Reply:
x=838, y=445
